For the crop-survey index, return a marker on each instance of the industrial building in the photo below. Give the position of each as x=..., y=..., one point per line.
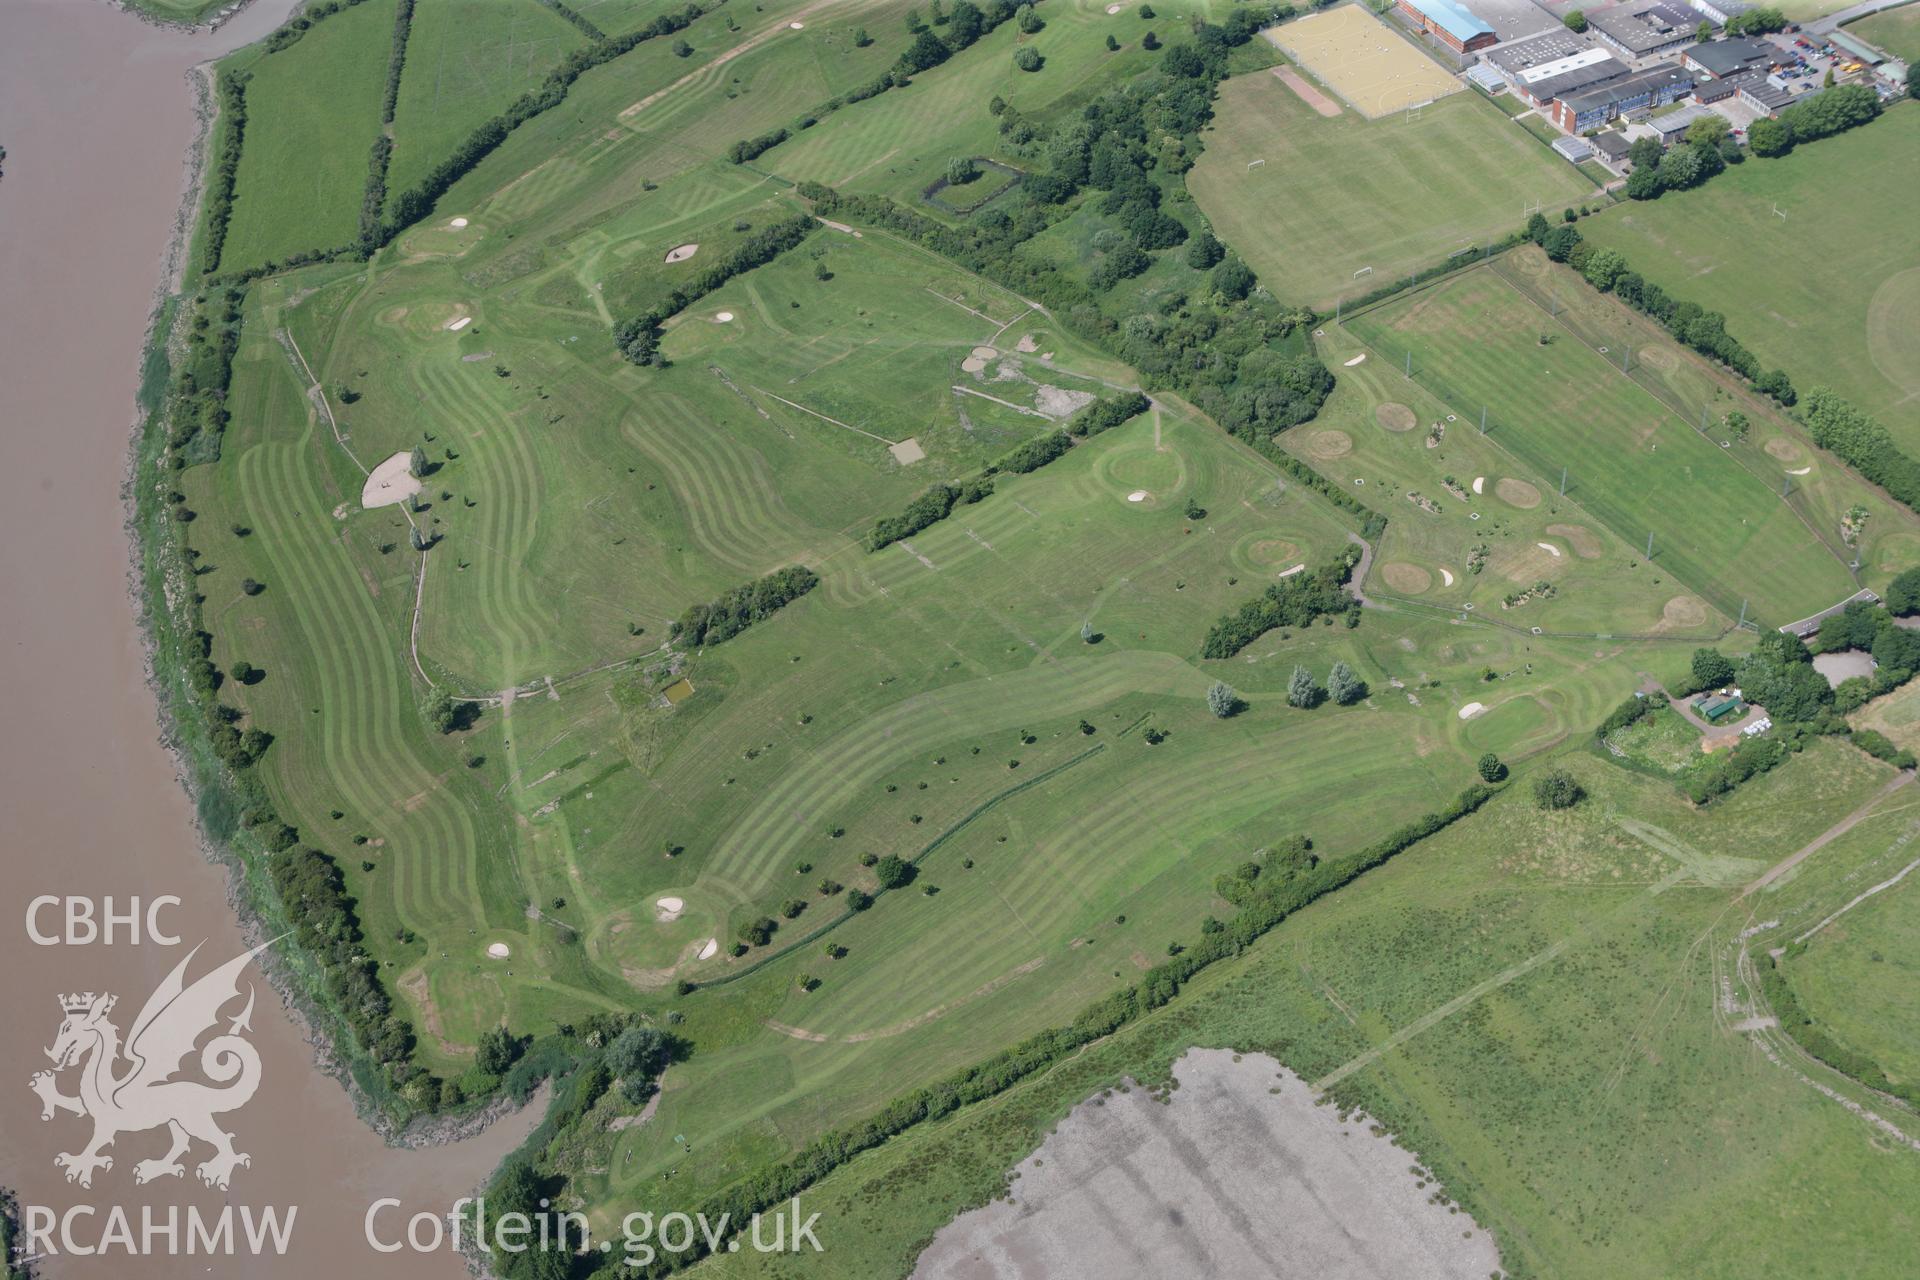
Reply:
x=1645, y=28
x=1450, y=22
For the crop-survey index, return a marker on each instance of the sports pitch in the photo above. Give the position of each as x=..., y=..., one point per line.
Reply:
x=1363, y=60
x=1632, y=462
x=1337, y=196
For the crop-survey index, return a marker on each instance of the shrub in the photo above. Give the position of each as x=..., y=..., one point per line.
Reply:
x=1222, y=700
x=1490, y=767
x=1557, y=789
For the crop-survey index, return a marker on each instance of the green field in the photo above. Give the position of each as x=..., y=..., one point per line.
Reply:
x=1338, y=195
x=1719, y=528
x=1831, y=292
x=313, y=111
x=1895, y=30
x=1010, y=698
x=1533, y=1006
x=466, y=59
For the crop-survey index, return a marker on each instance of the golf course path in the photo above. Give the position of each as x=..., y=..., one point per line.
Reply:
x=1828, y=836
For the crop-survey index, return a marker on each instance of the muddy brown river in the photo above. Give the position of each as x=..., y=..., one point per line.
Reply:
x=97, y=116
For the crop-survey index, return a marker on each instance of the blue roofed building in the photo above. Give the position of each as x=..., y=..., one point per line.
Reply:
x=1451, y=22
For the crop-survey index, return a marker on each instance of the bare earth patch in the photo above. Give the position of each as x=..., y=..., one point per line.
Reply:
x=1517, y=493
x=1058, y=402
x=1328, y=445
x=1394, y=417
x=1238, y=1174
x=1269, y=553
x=1410, y=578
x=1682, y=611
x=1307, y=93
x=907, y=452
x=1781, y=449
x=1579, y=537
x=1659, y=359
x=977, y=359
x=390, y=482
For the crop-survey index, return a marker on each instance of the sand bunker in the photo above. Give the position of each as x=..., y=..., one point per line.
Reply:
x=1289, y=571
x=723, y=317
x=1472, y=709
x=1479, y=484
x=667, y=910
x=1114, y=8
x=1226, y=1175
x=1579, y=537
x=1549, y=548
x=708, y=949
x=1517, y=493
x=797, y=26
x=458, y=222
x=1359, y=359
x=977, y=361
x=681, y=252
x=907, y=452
x=459, y=324
x=390, y=482
x=499, y=950
x=1800, y=471
x=1446, y=577
x=1328, y=445
x=1402, y=576
x=1394, y=417
x=1138, y=495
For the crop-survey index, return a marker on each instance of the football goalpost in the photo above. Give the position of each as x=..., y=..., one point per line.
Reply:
x=1255, y=164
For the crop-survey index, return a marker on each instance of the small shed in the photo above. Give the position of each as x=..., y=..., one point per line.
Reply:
x=1573, y=150
x=1717, y=707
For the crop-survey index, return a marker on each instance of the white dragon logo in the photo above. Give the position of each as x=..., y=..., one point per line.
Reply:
x=145, y=1095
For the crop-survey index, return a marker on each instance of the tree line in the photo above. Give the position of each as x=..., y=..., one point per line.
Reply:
x=1691, y=324
x=964, y=24
x=1862, y=444
x=1278, y=897
x=638, y=337
x=1291, y=602
x=742, y=606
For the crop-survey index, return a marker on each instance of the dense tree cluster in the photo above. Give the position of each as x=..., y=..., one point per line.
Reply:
x=928, y=508
x=1834, y=111
x=1290, y=602
x=1757, y=22
x=1035, y=453
x=231, y=95
x=743, y=606
x=1862, y=444
x=1107, y=412
x=639, y=336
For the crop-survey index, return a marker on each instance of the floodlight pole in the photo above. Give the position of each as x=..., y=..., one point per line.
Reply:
x=1743, y=616
x=1409, y=365
x=1483, y=419
x=1703, y=419
x=1563, y=482
x=1649, y=544
x=1625, y=352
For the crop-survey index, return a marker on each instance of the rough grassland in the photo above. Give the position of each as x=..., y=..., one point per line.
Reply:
x=313, y=111
x=1340, y=194
x=1533, y=1006
x=1831, y=293
x=1633, y=463
x=466, y=59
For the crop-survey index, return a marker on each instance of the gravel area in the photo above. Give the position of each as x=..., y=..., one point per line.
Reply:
x=1238, y=1174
